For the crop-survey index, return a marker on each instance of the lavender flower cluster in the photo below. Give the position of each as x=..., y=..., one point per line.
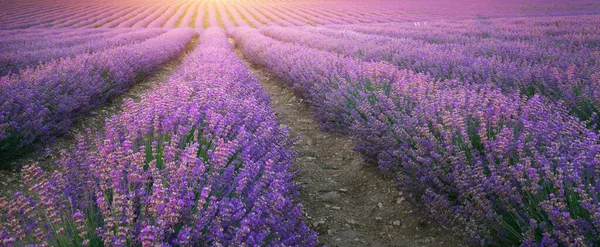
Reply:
x=40, y=103
x=18, y=57
x=557, y=57
x=498, y=168
x=199, y=161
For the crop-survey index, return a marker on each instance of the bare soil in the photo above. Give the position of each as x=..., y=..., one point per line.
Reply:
x=348, y=202
x=11, y=180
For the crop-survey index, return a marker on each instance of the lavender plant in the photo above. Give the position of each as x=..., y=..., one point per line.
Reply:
x=199, y=161
x=37, y=38
x=42, y=102
x=500, y=169
x=560, y=66
x=25, y=56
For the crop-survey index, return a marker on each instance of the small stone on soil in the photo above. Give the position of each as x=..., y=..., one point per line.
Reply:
x=318, y=223
x=329, y=196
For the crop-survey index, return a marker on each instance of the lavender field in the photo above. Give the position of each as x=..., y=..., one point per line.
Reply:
x=299, y=123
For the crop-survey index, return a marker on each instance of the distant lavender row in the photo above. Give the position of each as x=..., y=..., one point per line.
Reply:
x=32, y=36
x=200, y=15
x=40, y=103
x=12, y=62
x=497, y=168
x=25, y=42
x=572, y=30
x=47, y=13
x=544, y=39
x=91, y=19
x=291, y=17
x=211, y=14
x=78, y=18
x=238, y=18
x=129, y=16
x=199, y=161
x=310, y=16
x=101, y=20
x=130, y=22
x=255, y=19
x=160, y=21
x=146, y=20
x=186, y=20
x=224, y=17
x=569, y=72
x=256, y=14
x=42, y=19
x=45, y=19
x=278, y=17
x=173, y=20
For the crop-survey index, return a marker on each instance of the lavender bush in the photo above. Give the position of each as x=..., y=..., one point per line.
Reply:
x=37, y=38
x=497, y=168
x=42, y=102
x=200, y=161
x=560, y=65
x=27, y=56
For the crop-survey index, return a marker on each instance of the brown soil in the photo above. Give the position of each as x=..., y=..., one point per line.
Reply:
x=348, y=202
x=11, y=180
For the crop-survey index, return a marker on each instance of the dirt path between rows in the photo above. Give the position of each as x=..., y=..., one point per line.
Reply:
x=346, y=201
x=11, y=180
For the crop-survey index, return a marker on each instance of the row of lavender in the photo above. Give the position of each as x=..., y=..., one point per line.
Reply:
x=570, y=28
x=192, y=14
x=17, y=56
x=181, y=13
x=560, y=60
x=495, y=167
x=37, y=39
x=42, y=102
x=200, y=160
